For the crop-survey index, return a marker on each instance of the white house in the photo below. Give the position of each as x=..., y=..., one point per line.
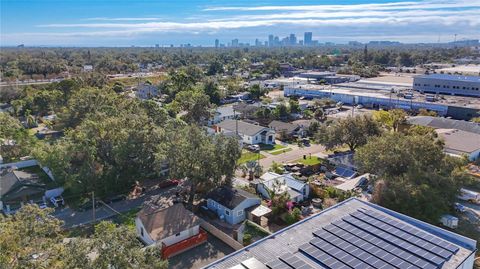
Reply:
x=297, y=190
x=224, y=113
x=250, y=133
x=166, y=226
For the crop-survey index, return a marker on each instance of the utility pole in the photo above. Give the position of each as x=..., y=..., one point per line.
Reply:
x=93, y=207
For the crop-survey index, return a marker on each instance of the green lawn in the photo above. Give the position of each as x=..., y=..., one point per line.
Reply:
x=249, y=156
x=310, y=160
x=277, y=152
x=128, y=218
x=277, y=147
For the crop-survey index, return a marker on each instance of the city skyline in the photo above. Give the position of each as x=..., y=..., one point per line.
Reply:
x=198, y=22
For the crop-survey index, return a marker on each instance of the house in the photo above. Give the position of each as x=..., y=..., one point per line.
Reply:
x=356, y=234
x=250, y=133
x=460, y=143
x=172, y=227
x=224, y=113
x=19, y=187
x=297, y=190
x=230, y=203
x=444, y=123
x=146, y=91
x=284, y=130
x=304, y=125
x=247, y=110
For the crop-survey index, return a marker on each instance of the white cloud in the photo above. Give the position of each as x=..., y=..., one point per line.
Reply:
x=387, y=19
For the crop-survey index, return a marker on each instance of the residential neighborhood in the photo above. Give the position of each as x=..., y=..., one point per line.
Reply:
x=291, y=152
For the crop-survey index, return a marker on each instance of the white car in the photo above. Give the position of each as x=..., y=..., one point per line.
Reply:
x=57, y=201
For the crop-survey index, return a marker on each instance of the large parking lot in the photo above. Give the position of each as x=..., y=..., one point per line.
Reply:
x=202, y=255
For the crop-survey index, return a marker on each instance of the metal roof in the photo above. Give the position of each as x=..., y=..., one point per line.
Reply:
x=356, y=234
x=451, y=77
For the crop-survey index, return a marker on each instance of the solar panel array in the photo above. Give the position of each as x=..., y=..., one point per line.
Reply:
x=344, y=172
x=367, y=239
x=364, y=239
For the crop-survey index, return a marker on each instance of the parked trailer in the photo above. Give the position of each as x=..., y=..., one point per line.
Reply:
x=469, y=196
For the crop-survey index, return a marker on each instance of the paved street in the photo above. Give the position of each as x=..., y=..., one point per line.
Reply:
x=295, y=154
x=75, y=218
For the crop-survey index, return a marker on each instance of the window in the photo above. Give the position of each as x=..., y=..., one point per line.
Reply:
x=177, y=234
x=239, y=213
x=227, y=212
x=141, y=231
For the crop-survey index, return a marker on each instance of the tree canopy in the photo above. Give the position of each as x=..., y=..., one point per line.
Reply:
x=351, y=131
x=415, y=177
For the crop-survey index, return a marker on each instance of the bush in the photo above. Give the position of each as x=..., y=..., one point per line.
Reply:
x=247, y=239
x=293, y=216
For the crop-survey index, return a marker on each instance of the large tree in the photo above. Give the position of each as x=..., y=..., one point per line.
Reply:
x=351, y=131
x=205, y=161
x=391, y=119
x=415, y=177
x=194, y=105
x=15, y=142
x=32, y=238
x=105, y=154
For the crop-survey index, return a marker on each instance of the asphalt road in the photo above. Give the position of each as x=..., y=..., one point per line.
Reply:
x=74, y=218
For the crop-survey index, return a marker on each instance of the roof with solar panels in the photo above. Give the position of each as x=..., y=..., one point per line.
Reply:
x=355, y=234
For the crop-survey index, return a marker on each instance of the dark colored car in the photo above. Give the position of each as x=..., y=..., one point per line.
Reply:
x=116, y=198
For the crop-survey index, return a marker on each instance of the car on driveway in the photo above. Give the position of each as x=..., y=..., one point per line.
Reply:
x=253, y=148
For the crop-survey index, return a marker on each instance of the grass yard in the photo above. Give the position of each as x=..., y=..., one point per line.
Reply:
x=313, y=160
x=277, y=152
x=274, y=147
x=249, y=156
x=128, y=218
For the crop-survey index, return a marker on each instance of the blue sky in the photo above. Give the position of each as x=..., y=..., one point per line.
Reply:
x=200, y=22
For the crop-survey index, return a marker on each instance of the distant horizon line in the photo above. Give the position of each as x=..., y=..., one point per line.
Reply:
x=190, y=45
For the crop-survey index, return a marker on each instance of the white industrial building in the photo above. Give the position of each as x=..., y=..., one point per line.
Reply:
x=448, y=84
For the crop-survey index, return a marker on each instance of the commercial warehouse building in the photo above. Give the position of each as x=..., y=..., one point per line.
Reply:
x=457, y=107
x=448, y=84
x=356, y=234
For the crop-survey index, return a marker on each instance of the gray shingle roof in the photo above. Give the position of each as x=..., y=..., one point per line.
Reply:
x=283, y=126
x=444, y=123
x=230, y=197
x=243, y=127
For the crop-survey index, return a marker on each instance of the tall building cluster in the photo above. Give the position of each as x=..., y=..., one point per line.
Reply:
x=273, y=41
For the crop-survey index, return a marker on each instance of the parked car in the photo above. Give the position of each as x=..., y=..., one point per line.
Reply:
x=57, y=201
x=253, y=148
x=168, y=183
x=459, y=207
x=469, y=196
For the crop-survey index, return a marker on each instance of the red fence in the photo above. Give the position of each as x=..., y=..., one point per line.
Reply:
x=183, y=245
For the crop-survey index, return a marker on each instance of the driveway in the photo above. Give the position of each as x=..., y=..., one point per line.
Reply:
x=202, y=255
x=295, y=154
x=74, y=218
